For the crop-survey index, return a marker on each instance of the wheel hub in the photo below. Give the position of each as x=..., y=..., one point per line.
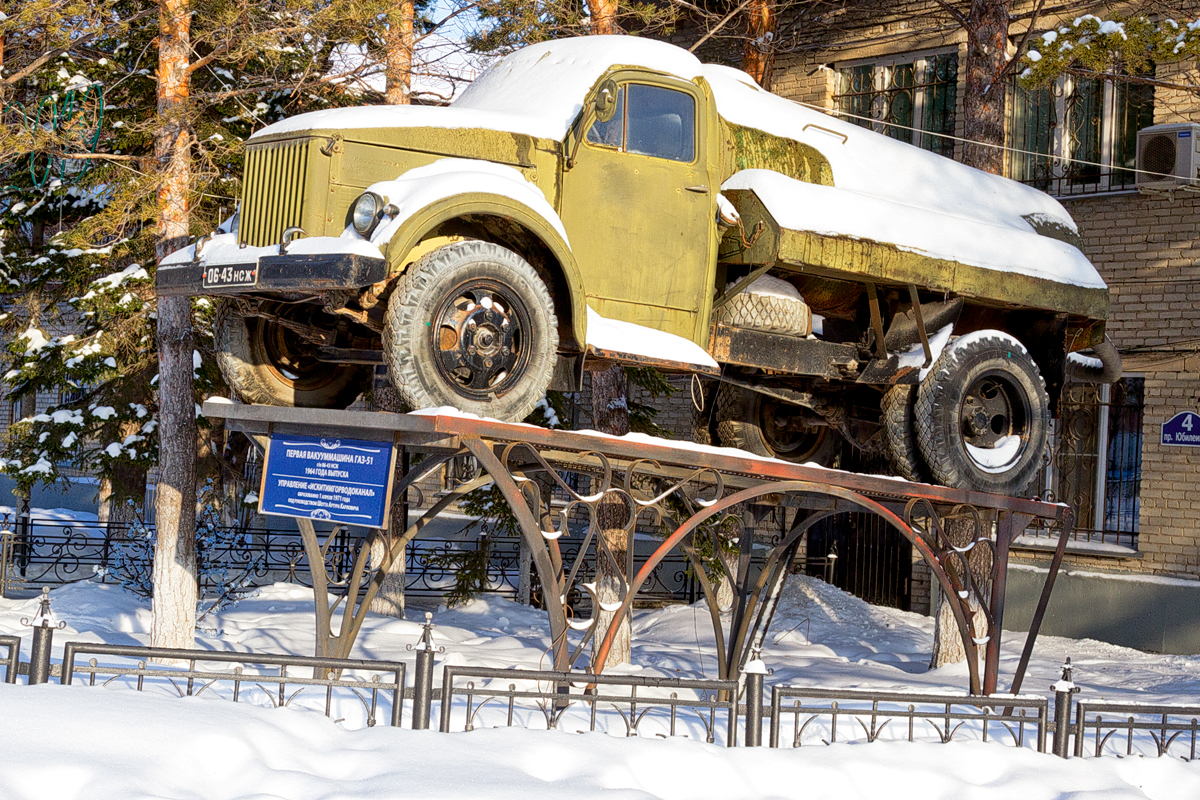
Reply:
x=991, y=411
x=478, y=334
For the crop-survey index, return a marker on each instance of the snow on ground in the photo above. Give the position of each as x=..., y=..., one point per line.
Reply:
x=820, y=637
x=78, y=742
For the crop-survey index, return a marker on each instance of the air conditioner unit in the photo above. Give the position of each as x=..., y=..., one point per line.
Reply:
x=1168, y=156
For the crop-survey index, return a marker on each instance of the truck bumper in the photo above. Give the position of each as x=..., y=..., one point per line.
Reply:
x=270, y=274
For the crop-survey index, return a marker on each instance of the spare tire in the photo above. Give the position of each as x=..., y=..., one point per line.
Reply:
x=769, y=304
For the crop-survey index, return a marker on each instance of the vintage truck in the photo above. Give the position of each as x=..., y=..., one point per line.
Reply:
x=611, y=200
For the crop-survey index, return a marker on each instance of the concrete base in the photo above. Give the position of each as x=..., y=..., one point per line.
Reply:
x=1160, y=615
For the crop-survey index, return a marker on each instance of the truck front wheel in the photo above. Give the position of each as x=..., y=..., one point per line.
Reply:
x=982, y=415
x=471, y=325
x=264, y=362
x=767, y=427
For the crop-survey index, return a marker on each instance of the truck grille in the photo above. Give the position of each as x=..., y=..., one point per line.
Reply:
x=273, y=191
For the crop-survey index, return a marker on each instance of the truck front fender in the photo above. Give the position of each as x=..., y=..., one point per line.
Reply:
x=449, y=189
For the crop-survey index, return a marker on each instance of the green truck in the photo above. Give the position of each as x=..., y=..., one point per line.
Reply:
x=611, y=200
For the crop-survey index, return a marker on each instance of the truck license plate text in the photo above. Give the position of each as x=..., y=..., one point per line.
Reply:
x=230, y=276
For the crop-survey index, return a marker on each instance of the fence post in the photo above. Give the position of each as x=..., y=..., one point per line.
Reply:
x=423, y=677
x=755, y=673
x=1063, y=690
x=43, y=638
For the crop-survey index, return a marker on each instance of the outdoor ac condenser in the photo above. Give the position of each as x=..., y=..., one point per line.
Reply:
x=1168, y=156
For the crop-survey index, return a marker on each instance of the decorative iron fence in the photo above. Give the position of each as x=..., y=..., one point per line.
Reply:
x=53, y=553
x=584, y=701
x=1126, y=729
x=371, y=683
x=1021, y=720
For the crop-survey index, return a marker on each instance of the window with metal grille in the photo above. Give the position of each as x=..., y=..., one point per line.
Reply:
x=911, y=99
x=1078, y=136
x=1096, y=459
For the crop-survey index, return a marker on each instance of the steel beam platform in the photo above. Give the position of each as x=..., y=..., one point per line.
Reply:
x=697, y=495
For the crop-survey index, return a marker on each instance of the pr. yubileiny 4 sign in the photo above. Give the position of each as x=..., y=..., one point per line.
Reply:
x=325, y=478
x=1183, y=429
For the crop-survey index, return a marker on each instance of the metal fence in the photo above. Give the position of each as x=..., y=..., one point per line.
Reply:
x=629, y=705
x=12, y=657
x=1125, y=729
x=362, y=692
x=256, y=678
x=53, y=553
x=824, y=717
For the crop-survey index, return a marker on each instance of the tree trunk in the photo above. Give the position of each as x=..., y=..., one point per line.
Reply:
x=175, y=514
x=725, y=594
x=983, y=98
x=947, y=641
x=390, y=599
x=610, y=414
x=604, y=17
x=758, y=53
x=400, y=43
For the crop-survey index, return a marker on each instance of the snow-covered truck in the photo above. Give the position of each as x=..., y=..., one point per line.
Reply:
x=611, y=200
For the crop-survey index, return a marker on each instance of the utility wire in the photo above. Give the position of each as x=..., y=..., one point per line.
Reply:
x=1006, y=148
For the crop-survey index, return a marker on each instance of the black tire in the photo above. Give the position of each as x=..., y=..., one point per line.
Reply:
x=767, y=313
x=749, y=421
x=900, y=435
x=263, y=362
x=446, y=346
x=983, y=389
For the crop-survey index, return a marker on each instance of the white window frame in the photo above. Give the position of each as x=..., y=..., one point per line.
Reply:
x=881, y=77
x=1061, y=155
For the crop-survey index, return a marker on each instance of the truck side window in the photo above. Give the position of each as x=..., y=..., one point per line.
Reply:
x=661, y=123
x=609, y=134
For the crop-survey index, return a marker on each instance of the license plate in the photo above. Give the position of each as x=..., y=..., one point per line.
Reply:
x=229, y=275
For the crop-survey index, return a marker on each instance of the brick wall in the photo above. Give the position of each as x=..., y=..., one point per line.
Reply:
x=1147, y=248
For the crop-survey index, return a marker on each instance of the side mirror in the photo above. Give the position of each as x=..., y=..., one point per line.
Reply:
x=606, y=100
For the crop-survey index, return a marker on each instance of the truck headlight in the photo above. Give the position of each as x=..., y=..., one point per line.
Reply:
x=365, y=213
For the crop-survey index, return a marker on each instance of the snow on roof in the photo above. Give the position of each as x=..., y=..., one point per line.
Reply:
x=979, y=241
x=872, y=164
x=538, y=90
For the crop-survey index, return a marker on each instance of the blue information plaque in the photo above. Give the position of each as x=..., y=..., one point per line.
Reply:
x=341, y=480
x=1182, y=430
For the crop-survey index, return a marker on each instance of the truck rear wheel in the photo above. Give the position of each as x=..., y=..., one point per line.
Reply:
x=767, y=427
x=983, y=416
x=471, y=325
x=900, y=435
x=264, y=362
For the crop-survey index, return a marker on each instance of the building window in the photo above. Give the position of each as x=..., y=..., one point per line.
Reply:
x=1079, y=136
x=911, y=99
x=1096, y=460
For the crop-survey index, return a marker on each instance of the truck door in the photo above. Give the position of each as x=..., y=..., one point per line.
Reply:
x=639, y=207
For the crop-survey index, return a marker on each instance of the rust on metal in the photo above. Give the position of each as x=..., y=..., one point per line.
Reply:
x=695, y=495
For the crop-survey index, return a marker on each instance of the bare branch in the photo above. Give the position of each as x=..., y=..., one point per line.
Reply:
x=712, y=32
x=76, y=44
x=959, y=17
x=1016, y=59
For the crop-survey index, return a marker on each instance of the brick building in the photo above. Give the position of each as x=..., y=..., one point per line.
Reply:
x=899, y=69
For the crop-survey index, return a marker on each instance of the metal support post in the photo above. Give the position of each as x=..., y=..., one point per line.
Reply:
x=1062, y=711
x=755, y=673
x=43, y=638
x=423, y=679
